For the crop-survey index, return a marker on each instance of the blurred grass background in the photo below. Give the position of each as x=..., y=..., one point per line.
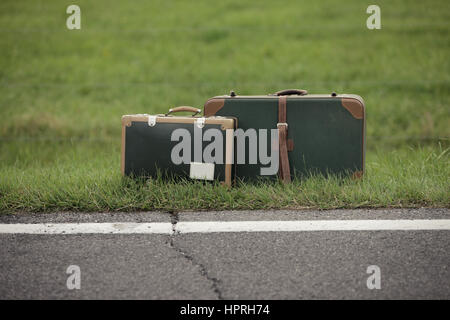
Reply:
x=62, y=93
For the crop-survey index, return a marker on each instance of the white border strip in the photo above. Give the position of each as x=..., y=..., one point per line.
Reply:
x=312, y=225
x=225, y=226
x=90, y=228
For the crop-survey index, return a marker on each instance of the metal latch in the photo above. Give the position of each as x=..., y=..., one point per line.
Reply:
x=151, y=121
x=200, y=122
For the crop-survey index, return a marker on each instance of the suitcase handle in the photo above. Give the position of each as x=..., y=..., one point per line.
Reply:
x=291, y=91
x=184, y=109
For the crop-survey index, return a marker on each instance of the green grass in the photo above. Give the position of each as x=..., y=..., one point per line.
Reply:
x=90, y=182
x=62, y=94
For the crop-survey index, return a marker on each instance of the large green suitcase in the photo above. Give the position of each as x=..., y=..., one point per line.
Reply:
x=148, y=143
x=325, y=133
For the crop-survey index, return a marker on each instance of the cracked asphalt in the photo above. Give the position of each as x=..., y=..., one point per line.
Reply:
x=260, y=265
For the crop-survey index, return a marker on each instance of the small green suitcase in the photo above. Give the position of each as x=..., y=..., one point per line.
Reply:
x=317, y=133
x=148, y=143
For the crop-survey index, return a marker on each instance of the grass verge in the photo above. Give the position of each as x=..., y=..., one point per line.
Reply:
x=399, y=178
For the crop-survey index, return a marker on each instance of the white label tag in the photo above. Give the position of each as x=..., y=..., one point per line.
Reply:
x=203, y=171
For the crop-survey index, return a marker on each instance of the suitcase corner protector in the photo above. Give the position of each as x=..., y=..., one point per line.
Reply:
x=354, y=106
x=212, y=106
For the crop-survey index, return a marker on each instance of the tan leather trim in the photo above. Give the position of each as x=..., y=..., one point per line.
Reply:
x=212, y=106
x=227, y=123
x=126, y=120
x=308, y=96
x=122, y=159
x=354, y=106
x=184, y=109
x=284, y=170
x=229, y=146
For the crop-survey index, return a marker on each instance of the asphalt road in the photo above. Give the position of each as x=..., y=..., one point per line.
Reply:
x=234, y=265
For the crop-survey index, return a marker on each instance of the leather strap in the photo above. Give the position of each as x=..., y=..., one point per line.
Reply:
x=284, y=170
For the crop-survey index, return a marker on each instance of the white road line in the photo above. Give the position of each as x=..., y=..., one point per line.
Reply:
x=80, y=228
x=312, y=225
x=225, y=226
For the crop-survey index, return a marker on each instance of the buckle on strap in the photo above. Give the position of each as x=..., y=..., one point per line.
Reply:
x=282, y=124
x=200, y=122
x=151, y=121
